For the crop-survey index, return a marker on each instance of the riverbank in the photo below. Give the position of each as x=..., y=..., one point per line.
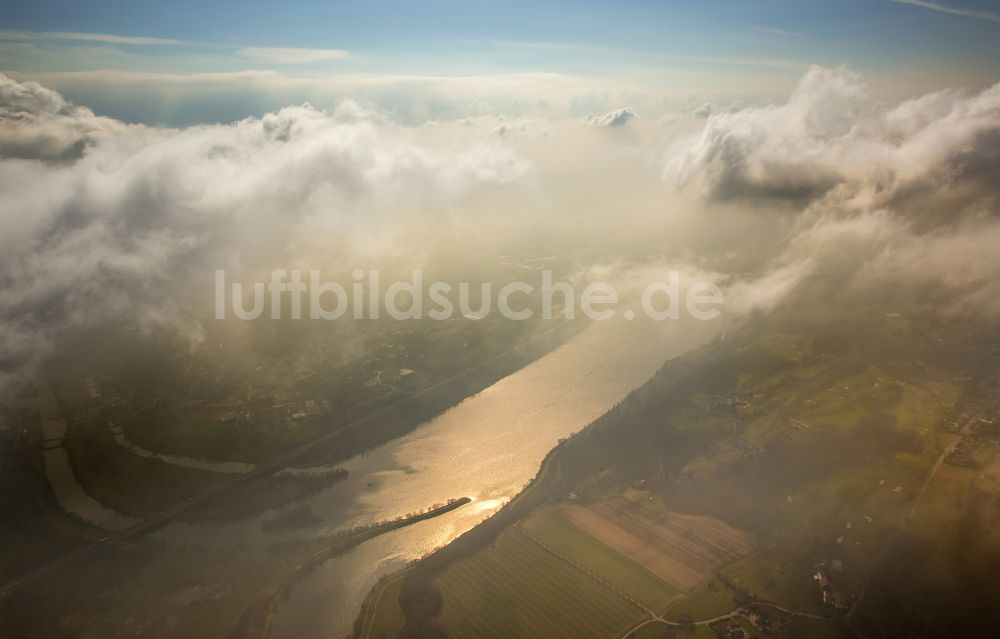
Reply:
x=535, y=493
x=491, y=447
x=256, y=621
x=555, y=470
x=207, y=522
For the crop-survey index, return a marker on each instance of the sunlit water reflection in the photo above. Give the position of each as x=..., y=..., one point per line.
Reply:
x=487, y=448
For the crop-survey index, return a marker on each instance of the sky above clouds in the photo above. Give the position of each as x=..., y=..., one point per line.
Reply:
x=181, y=63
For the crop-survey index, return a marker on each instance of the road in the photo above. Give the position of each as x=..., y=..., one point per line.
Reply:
x=735, y=612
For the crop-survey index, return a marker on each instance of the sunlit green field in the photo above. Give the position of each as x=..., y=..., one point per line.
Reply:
x=386, y=618
x=517, y=589
x=548, y=526
x=706, y=601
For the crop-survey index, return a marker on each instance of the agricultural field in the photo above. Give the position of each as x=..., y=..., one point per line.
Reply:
x=711, y=599
x=549, y=526
x=682, y=550
x=652, y=631
x=515, y=588
x=815, y=478
x=658, y=630
x=385, y=618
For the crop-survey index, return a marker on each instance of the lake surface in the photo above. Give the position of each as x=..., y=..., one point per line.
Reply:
x=487, y=448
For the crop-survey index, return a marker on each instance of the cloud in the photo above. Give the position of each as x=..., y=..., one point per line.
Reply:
x=763, y=294
x=831, y=133
x=782, y=32
x=703, y=112
x=950, y=269
x=899, y=199
x=956, y=269
x=198, y=98
x=38, y=123
x=943, y=8
x=130, y=223
x=86, y=37
x=776, y=151
x=616, y=118
x=280, y=55
x=108, y=221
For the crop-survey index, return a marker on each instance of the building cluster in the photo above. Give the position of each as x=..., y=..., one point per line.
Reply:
x=739, y=404
x=828, y=593
x=977, y=422
x=727, y=629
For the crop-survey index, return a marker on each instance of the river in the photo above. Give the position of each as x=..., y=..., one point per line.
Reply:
x=487, y=448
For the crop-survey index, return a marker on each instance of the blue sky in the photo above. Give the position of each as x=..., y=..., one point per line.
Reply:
x=710, y=48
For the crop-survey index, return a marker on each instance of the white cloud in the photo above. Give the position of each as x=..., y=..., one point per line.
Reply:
x=775, y=31
x=181, y=99
x=616, y=118
x=900, y=198
x=831, y=133
x=956, y=268
x=131, y=224
x=282, y=55
x=105, y=220
x=86, y=37
x=763, y=294
x=38, y=123
x=943, y=8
